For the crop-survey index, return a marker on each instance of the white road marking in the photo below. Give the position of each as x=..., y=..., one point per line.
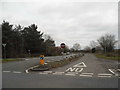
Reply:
x=43, y=73
x=118, y=70
x=71, y=69
x=58, y=73
x=26, y=71
x=47, y=71
x=85, y=75
x=111, y=71
x=16, y=72
x=82, y=64
x=105, y=74
x=26, y=59
x=6, y=71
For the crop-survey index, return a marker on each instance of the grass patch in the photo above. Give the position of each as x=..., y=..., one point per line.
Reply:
x=107, y=57
x=9, y=60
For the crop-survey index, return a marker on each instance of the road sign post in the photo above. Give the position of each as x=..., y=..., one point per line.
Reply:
x=42, y=62
x=4, y=45
x=62, y=45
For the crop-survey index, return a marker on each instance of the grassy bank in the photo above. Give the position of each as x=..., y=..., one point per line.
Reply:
x=107, y=57
x=10, y=60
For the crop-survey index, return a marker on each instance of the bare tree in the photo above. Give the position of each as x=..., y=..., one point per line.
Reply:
x=76, y=47
x=93, y=44
x=107, y=42
x=87, y=48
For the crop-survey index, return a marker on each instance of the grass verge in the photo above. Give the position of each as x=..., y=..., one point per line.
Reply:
x=9, y=60
x=107, y=57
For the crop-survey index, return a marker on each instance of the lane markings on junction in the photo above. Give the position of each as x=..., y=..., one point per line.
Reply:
x=43, y=73
x=86, y=74
x=82, y=64
x=48, y=72
x=104, y=75
x=16, y=72
x=111, y=71
x=58, y=73
x=73, y=69
x=6, y=71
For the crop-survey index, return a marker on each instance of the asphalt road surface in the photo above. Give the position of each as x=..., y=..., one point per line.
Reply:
x=86, y=72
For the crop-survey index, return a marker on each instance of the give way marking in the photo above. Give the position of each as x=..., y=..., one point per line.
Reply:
x=77, y=68
x=82, y=64
x=74, y=69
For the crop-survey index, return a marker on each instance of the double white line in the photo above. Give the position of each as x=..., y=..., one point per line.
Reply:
x=86, y=74
x=104, y=75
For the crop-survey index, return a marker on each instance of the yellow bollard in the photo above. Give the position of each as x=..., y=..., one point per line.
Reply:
x=42, y=60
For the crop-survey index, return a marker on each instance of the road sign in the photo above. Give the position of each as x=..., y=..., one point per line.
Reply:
x=4, y=45
x=62, y=45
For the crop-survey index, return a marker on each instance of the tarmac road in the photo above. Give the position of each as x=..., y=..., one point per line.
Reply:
x=86, y=72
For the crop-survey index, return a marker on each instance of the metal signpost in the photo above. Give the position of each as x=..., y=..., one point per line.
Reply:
x=62, y=45
x=4, y=45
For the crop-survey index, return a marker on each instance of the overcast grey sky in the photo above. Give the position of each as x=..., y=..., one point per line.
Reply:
x=70, y=22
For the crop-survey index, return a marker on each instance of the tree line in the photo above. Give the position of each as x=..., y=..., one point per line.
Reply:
x=105, y=44
x=25, y=41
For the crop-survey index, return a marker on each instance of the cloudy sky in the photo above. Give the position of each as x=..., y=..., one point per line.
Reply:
x=65, y=21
